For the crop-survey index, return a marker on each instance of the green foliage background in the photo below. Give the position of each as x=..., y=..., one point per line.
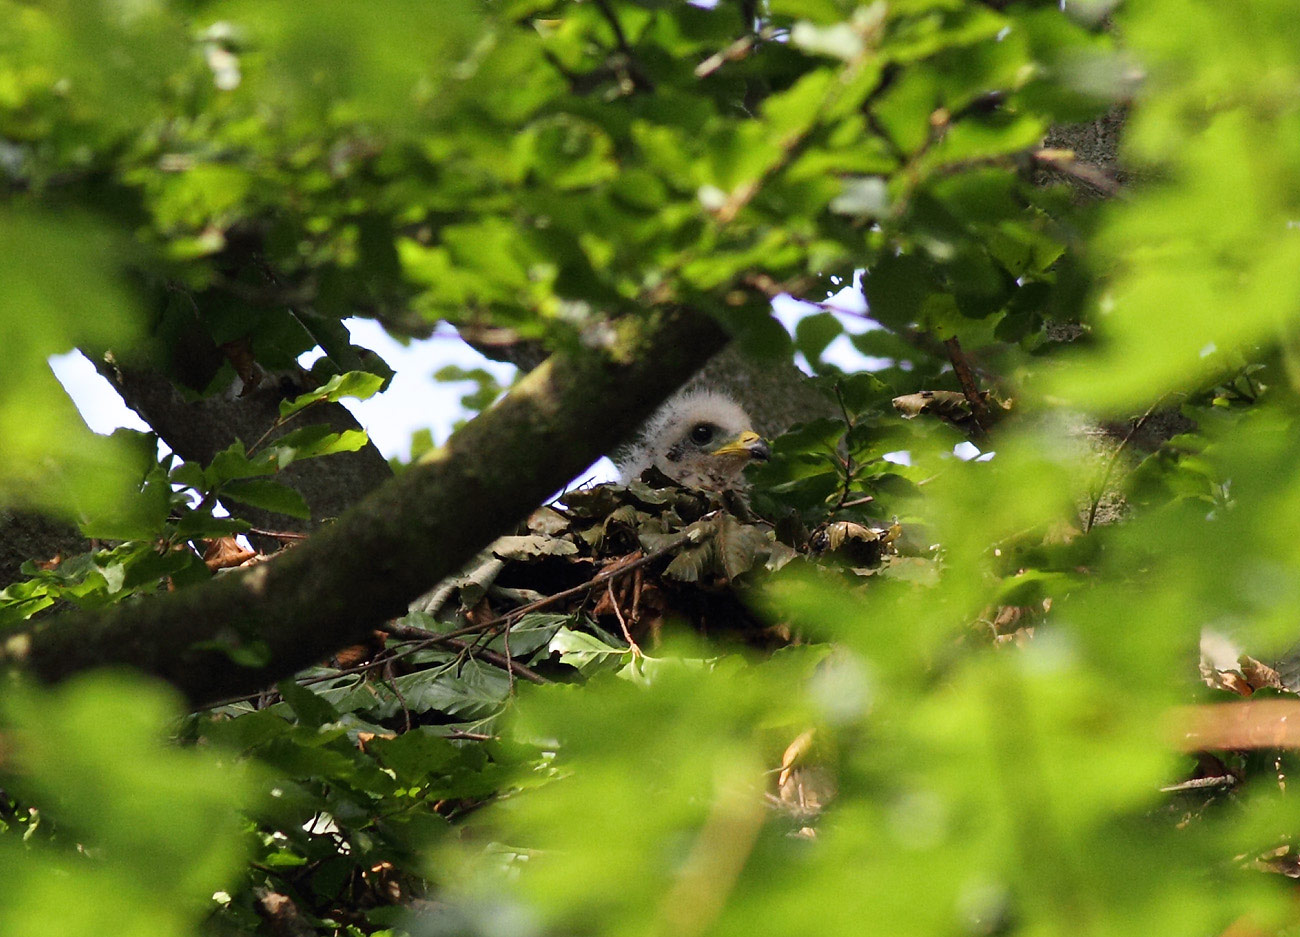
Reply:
x=257, y=171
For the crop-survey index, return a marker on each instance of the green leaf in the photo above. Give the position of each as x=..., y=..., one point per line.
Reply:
x=471, y=690
x=202, y=525
x=85, y=752
x=267, y=494
x=414, y=754
x=813, y=333
x=233, y=463
x=361, y=385
x=579, y=649
x=55, y=462
x=311, y=709
x=567, y=152
x=311, y=441
x=531, y=632
x=897, y=287
x=189, y=475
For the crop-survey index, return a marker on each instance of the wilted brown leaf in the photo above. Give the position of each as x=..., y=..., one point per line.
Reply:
x=225, y=553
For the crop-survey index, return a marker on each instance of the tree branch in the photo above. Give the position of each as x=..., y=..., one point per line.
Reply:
x=969, y=387
x=198, y=429
x=416, y=529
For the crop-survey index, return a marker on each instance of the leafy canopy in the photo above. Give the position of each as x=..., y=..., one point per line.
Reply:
x=201, y=175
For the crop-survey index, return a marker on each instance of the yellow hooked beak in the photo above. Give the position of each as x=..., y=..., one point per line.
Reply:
x=748, y=444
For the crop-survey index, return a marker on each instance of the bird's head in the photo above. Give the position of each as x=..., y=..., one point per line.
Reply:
x=700, y=439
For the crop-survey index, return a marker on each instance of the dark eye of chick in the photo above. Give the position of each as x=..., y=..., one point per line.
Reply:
x=702, y=433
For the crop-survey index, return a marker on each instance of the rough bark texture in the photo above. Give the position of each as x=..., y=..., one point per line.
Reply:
x=775, y=393
x=25, y=536
x=379, y=556
x=1096, y=142
x=1096, y=172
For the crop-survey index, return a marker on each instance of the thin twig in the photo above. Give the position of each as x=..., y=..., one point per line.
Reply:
x=421, y=638
x=581, y=587
x=636, y=595
x=425, y=638
x=839, y=310
x=622, y=622
x=791, y=143
x=321, y=678
x=279, y=534
x=510, y=673
x=961, y=367
x=619, y=36
x=391, y=682
x=734, y=52
x=1114, y=458
x=1066, y=162
x=277, y=424
x=849, y=470
x=499, y=660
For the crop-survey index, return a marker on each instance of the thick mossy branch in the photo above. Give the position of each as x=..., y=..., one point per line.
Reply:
x=413, y=531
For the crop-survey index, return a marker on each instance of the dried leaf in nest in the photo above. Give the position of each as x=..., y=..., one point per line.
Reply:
x=472, y=585
x=597, y=501
x=385, y=883
x=281, y=914
x=52, y=563
x=724, y=547
x=779, y=555
x=530, y=546
x=653, y=490
x=858, y=544
x=1226, y=680
x=682, y=547
x=740, y=547
x=365, y=738
x=625, y=518
x=795, y=753
x=547, y=520
x=691, y=564
x=654, y=487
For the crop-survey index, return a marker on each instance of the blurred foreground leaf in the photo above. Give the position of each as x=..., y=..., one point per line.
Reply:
x=140, y=833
